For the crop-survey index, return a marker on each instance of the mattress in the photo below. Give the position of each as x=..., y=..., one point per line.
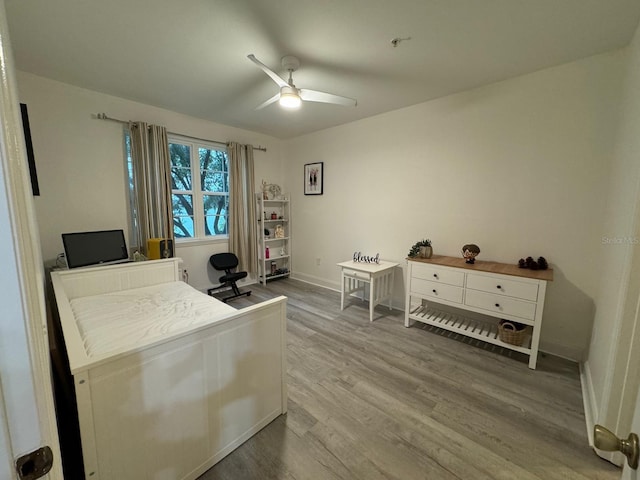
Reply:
x=121, y=320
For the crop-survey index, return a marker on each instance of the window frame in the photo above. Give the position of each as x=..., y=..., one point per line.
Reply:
x=198, y=195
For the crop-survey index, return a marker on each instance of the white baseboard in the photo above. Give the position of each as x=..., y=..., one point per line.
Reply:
x=317, y=281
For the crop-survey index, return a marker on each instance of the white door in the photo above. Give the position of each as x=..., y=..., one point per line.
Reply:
x=27, y=417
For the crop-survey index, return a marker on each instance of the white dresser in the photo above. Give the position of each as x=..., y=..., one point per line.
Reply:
x=489, y=288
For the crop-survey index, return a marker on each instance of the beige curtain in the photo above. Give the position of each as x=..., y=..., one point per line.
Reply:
x=242, y=212
x=152, y=182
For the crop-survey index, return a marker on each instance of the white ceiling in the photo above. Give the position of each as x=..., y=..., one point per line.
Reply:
x=189, y=56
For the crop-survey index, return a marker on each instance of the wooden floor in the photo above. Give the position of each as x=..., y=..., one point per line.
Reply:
x=379, y=401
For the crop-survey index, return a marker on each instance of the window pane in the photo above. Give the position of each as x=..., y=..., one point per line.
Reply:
x=216, y=209
x=216, y=204
x=183, y=227
x=214, y=171
x=180, y=155
x=214, y=181
x=180, y=166
x=180, y=178
x=215, y=225
x=182, y=204
x=213, y=159
x=133, y=233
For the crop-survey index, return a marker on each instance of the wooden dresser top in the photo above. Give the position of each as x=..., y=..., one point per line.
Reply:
x=484, y=266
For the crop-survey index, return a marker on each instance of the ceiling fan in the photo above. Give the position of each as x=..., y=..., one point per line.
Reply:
x=291, y=96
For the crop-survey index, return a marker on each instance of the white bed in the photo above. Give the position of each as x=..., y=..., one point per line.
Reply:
x=168, y=380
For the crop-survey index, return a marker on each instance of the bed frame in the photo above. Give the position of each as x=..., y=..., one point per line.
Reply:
x=175, y=407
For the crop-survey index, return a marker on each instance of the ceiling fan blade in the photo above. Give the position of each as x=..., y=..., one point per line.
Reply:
x=322, y=97
x=276, y=78
x=269, y=102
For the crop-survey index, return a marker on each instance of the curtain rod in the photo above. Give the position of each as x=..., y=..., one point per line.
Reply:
x=103, y=116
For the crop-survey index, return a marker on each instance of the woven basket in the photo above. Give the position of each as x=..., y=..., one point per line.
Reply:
x=511, y=332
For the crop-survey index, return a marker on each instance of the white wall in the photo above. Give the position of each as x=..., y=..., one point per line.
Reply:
x=81, y=168
x=520, y=168
x=606, y=365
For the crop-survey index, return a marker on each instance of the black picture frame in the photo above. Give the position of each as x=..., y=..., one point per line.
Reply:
x=314, y=178
x=35, y=187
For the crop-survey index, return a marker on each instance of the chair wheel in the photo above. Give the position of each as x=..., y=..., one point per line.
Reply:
x=249, y=294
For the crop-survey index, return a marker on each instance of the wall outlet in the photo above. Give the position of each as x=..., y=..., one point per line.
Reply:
x=318, y=261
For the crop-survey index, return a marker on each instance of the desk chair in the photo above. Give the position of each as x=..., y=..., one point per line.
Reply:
x=227, y=262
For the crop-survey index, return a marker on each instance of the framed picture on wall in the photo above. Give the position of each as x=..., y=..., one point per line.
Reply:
x=313, y=178
x=35, y=188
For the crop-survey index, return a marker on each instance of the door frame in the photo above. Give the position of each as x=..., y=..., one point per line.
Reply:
x=627, y=472
x=27, y=413
x=621, y=389
x=6, y=455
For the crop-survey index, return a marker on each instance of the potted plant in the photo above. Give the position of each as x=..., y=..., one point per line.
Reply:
x=421, y=249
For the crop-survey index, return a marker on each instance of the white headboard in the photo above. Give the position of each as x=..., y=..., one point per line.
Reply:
x=83, y=282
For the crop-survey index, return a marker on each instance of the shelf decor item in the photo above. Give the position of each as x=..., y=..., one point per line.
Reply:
x=275, y=191
x=358, y=257
x=512, y=333
x=313, y=178
x=531, y=264
x=469, y=252
x=270, y=188
x=421, y=249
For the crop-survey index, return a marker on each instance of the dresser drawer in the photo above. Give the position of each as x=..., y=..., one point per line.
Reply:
x=500, y=305
x=434, y=274
x=511, y=288
x=437, y=291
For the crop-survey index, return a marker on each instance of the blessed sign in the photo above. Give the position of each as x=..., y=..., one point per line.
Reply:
x=358, y=257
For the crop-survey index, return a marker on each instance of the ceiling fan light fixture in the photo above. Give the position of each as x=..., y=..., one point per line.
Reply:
x=289, y=98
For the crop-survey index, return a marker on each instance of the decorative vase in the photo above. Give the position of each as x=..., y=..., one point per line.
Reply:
x=425, y=252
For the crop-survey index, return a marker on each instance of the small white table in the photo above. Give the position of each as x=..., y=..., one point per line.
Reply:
x=379, y=276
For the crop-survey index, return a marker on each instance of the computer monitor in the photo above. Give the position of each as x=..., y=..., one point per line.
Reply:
x=93, y=248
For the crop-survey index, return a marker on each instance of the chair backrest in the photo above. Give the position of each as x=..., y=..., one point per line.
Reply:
x=223, y=261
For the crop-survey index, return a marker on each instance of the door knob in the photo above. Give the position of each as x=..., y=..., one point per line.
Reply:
x=606, y=440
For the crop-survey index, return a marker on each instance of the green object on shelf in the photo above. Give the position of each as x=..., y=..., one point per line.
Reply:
x=415, y=249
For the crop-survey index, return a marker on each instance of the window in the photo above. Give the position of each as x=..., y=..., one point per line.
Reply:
x=200, y=188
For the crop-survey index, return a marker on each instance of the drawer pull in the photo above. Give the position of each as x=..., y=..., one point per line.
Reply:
x=434, y=291
x=499, y=287
x=498, y=305
x=435, y=275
